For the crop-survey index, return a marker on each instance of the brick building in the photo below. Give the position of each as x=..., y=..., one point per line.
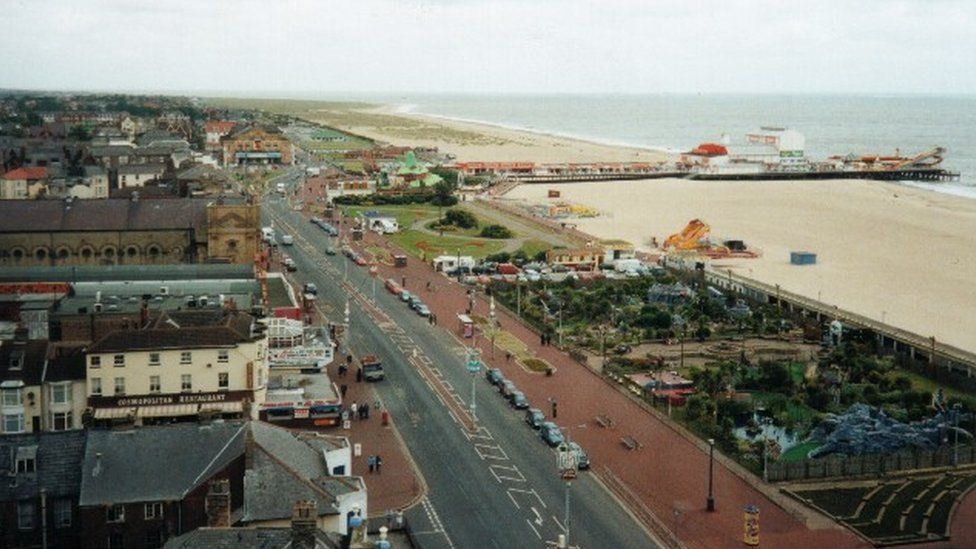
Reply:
x=257, y=145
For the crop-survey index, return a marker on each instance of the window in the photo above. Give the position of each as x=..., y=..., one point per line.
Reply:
x=154, y=385
x=119, y=361
x=62, y=513
x=154, y=510
x=223, y=356
x=16, y=360
x=96, y=386
x=61, y=421
x=96, y=361
x=119, y=386
x=26, y=460
x=25, y=515
x=223, y=380
x=186, y=382
x=11, y=397
x=115, y=513
x=13, y=423
x=154, y=359
x=186, y=357
x=60, y=393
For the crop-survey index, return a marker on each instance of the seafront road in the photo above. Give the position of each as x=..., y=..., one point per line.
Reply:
x=490, y=484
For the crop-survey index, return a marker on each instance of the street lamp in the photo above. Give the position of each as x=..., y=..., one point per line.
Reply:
x=345, y=326
x=493, y=326
x=710, y=502
x=473, y=364
x=567, y=463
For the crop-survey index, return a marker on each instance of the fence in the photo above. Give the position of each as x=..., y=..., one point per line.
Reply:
x=873, y=465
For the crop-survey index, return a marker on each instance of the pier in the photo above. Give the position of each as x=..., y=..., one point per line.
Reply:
x=889, y=337
x=925, y=175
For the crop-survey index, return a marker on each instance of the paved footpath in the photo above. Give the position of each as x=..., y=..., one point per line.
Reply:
x=668, y=475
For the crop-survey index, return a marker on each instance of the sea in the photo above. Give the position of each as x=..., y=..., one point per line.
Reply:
x=832, y=124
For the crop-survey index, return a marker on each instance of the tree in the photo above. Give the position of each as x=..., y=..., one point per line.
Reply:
x=443, y=194
x=460, y=218
x=496, y=231
x=79, y=132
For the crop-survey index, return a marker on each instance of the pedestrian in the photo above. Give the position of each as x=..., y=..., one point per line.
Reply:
x=342, y=370
x=542, y=339
x=554, y=409
x=354, y=408
x=371, y=462
x=508, y=356
x=379, y=463
x=366, y=410
x=428, y=285
x=359, y=375
x=342, y=390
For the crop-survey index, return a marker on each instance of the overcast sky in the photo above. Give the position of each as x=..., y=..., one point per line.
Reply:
x=631, y=46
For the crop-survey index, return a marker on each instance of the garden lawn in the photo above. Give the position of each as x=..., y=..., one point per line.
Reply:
x=798, y=452
x=405, y=215
x=429, y=246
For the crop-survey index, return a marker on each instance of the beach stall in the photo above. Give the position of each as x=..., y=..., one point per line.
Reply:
x=465, y=326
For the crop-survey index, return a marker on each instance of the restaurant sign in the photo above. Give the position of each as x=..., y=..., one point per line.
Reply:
x=136, y=401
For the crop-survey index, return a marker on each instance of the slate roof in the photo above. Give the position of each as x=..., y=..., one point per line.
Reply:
x=111, y=150
x=287, y=469
x=58, y=462
x=133, y=469
x=31, y=356
x=65, y=363
x=246, y=538
x=142, y=168
x=182, y=330
x=17, y=216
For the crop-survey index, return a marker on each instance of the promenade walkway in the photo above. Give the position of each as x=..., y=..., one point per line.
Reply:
x=667, y=473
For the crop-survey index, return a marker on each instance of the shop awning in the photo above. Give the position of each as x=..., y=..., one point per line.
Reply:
x=114, y=413
x=223, y=407
x=169, y=410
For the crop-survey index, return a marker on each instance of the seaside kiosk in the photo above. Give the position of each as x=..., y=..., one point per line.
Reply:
x=465, y=326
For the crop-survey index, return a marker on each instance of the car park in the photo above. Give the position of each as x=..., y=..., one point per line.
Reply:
x=551, y=434
x=582, y=460
x=518, y=401
x=534, y=417
x=494, y=376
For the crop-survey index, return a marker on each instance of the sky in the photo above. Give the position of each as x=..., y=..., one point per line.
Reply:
x=301, y=47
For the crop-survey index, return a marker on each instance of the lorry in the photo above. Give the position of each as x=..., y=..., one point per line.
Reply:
x=372, y=368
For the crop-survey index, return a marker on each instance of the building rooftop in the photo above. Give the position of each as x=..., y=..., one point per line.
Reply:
x=247, y=538
x=127, y=273
x=184, y=330
x=22, y=361
x=17, y=216
x=29, y=173
x=142, y=169
x=125, y=466
x=57, y=464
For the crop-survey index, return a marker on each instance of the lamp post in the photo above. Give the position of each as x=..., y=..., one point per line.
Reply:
x=956, y=410
x=473, y=364
x=710, y=502
x=493, y=326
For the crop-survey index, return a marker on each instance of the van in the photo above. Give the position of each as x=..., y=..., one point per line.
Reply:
x=281, y=188
x=287, y=240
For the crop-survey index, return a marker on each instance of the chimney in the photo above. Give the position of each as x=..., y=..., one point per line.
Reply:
x=303, y=525
x=248, y=447
x=217, y=504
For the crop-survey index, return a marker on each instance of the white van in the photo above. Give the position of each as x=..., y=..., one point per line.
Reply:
x=281, y=188
x=267, y=234
x=287, y=240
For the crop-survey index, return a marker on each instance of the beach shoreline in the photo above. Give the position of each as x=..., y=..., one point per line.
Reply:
x=894, y=253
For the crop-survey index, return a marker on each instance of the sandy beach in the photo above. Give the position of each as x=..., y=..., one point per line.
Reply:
x=885, y=251
x=467, y=141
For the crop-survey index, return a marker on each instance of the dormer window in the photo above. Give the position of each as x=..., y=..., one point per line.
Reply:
x=17, y=360
x=26, y=460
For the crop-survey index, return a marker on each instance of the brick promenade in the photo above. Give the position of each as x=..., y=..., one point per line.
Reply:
x=669, y=474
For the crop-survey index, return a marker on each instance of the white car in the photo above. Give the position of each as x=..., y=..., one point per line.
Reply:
x=287, y=240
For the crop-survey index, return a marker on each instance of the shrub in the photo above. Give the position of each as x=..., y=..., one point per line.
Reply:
x=460, y=218
x=496, y=231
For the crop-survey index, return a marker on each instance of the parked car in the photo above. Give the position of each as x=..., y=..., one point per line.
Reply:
x=372, y=368
x=422, y=310
x=507, y=388
x=582, y=460
x=329, y=250
x=315, y=220
x=360, y=260
x=414, y=301
x=534, y=417
x=289, y=264
x=406, y=296
x=622, y=349
x=518, y=401
x=494, y=376
x=551, y=434
x=287, y=240
x=310, y=288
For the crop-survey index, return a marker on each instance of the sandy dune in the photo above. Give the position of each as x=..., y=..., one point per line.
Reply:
x=884, y=251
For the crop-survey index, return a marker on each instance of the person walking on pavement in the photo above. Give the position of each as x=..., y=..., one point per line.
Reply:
x=379, y=463
x=371, y=462
x=354, y=408
x=342, y=390
x=365, y=410
x=359, y=374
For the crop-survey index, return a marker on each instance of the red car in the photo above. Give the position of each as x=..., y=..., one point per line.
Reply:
x=360, y=261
